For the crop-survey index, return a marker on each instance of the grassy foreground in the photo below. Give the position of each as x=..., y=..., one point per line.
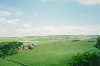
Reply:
x=7, y=63
x=54, y=52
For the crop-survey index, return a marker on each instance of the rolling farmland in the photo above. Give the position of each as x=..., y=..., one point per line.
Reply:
x=50, y=50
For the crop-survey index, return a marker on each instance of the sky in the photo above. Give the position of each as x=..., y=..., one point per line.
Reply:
x=49, y=17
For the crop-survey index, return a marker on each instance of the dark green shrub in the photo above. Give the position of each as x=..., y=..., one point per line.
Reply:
x=98, y=43
x=12, y=51
x=9, y=48
x=86, y=59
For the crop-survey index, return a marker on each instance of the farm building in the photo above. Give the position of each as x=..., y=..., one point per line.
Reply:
x=27, y=45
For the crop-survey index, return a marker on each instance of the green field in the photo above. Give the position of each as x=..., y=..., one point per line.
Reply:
x=50, y=50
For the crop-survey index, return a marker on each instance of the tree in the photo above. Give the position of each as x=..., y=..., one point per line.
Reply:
x=9, y=48
x=98, y=42
x=86, y=59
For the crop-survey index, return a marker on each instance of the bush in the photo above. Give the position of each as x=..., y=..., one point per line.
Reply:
x=9, y=48
x=12, y=51
x=86, y=59
x=98, y=43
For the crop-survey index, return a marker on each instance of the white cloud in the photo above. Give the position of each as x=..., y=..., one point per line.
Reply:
x=2, y=20
x=25, y=29
x=18, y=13
x=35, y=14
x=52, y=30
x=2, y=30
x=5, y=13
x=64, y=30
x=83, y=2
x=8, y=21
x=9, y=11
x=12, y=21
x=9, y=16
x=29, y=30
x=88, y=2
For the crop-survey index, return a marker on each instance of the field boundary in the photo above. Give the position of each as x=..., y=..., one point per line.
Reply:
x=22, y=64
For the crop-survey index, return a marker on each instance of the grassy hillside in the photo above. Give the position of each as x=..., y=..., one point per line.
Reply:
x=7, y=63
x=53, y=51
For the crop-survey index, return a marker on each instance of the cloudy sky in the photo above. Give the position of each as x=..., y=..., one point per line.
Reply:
x=49, y=17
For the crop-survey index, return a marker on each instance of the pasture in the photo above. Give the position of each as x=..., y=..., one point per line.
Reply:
x=50, y=50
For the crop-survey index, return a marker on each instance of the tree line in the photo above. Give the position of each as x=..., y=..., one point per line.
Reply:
x=9, y=48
